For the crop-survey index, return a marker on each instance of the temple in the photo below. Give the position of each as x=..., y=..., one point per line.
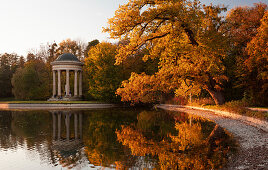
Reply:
x=67, y=63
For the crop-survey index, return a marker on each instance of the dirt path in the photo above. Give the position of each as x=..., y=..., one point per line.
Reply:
x=253, y=152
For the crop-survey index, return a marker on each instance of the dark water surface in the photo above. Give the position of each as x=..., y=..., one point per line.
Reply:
x=110, y=138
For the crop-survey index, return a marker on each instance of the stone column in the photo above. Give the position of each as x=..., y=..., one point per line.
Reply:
x=75, y=126
x=67, y=124
x=67, y=83
x=75, y=83
x=54, y=83
x=80, y=84
x=59, y=126
x=80, y=125
x=59, y=84
x=54, y=125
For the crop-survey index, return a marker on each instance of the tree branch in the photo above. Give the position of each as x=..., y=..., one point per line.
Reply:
x=190, y=35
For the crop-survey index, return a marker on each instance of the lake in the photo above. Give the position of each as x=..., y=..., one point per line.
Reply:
x=117, y=138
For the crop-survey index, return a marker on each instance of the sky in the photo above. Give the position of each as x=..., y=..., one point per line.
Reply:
x=27, y=24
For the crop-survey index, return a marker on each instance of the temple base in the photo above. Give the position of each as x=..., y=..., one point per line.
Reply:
x=65, y=98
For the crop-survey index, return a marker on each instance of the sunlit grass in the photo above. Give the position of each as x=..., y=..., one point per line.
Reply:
x=236, y=107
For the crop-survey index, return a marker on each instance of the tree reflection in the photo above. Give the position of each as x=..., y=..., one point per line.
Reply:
x=186, y=149
x=7, y=140
x=115, y=138
x=101, y=145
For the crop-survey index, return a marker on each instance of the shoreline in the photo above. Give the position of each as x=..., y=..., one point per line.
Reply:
x=261, y=124
x=253, y=140
x=53, y=106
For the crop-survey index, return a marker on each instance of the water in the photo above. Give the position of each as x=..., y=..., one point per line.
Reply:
x=110, y=138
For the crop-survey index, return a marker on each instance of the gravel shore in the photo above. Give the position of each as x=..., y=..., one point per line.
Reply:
x=253, y=151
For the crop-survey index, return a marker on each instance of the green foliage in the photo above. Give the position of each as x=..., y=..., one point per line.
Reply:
x=103, y=76
x=8, y=65
x=32, y=81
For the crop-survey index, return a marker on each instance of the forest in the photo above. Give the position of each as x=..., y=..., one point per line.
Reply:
x=164, y=50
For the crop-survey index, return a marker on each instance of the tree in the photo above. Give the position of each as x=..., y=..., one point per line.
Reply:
x=32, y=81
x=90, y=45
x=242, y=24
x=30, y=57
x=257, y=63
x=5, y=77
x=8, y=65
x=240, y=27
x=51, y=52
x=185, y=36
x=103, y=76
x=71, y=46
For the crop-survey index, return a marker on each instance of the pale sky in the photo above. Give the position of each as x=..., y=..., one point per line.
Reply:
x=26, y=24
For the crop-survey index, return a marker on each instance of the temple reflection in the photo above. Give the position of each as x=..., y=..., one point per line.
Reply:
x=67, y=137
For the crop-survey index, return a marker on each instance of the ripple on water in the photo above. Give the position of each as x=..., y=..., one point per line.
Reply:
x=113, y=138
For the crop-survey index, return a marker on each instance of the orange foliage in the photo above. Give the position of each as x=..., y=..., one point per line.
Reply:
x=185, y=150
x=183, y=35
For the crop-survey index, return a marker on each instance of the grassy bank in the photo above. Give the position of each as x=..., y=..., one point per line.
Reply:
x=236, y=107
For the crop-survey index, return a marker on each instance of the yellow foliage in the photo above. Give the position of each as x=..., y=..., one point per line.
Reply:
x=185, y=150
x=183, y=35
x=189, y=135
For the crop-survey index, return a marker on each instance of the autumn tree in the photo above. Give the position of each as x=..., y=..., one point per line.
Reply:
x=52, y=47
x=257, y=62
x=30, y=57
x=75, y=47
x=242, y=24
x=241, y=27
x=90, y=45
x=32, y=81
x=185, y=36
x=103, y=76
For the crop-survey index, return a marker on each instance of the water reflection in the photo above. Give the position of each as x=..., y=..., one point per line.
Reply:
x=66, y=147
x=114, y=138
x=190, y=143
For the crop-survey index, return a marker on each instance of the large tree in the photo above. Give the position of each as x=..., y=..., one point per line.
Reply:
x=257, y=62
x=242, y=26
x=8, y=65
x=75, y=47
x=103, y=76
x=185, y=36
x=32, y=81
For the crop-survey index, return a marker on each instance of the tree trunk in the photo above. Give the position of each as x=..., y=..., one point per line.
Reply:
x=217, y=133
x=217, y=96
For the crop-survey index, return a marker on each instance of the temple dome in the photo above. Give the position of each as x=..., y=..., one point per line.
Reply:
x=67, y=57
